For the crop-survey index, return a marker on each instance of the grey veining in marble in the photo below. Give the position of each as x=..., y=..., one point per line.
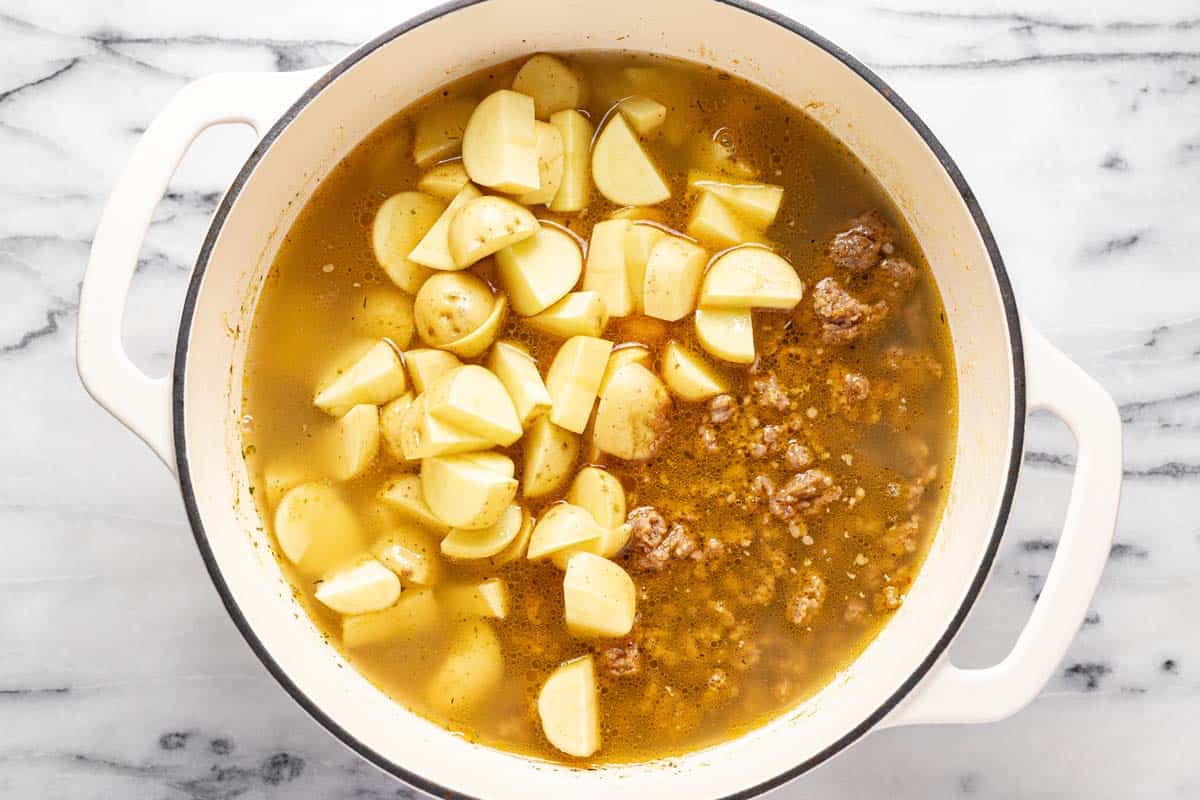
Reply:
x=1078, y=125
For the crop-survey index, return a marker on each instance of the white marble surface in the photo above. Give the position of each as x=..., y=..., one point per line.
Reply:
x=1077, y=123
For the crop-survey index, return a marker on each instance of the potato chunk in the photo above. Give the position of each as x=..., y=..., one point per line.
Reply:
x=426, y=365
x=484, y=542
x=517, y=548
x=751, y=277
x=451, y=305
x=422, y=435
x=464, y=492
x=477, y=341
x=499, y=145
x=577, y=314
x=485, y=599
x=416, y=612
x=599, y=596
x=713, y=224
x=517, y=370
x=375, y=378
x=644, y=114
x=639, y=243
x=672, y=278
x=284, y=473
x=622, y=355
x=601, y=494
x=444, y=181
x=539, y=271
x=365, y=586
x=473, y=399
x=469, y=672
x=552, y=84
x=562, y=526
x=405, y=495
x=757, y=203
x=609, y=544
x=440, y=128
x=550, y=165
x=727, y=333
x=316, y=529
x=408, y=551
x=488, y=224
x=576, y=185
x=623, y=171
x=569, y=708
x=390, y=417
x=574, y=378
x=688, y=376
x=550, y=453
x=433, y=250
x=606, y=273
x=355, y=441
x=385, y=313
x=634, y=414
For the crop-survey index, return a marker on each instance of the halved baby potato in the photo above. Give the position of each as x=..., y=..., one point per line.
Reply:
x=727, y=333
x=574, y=379
x=623, y=171
x=517, y=548
x=751, y=277
x=601, y=494
x=473, y=399
x=316, y=529
x=480, y=339
x=444, y=181
x=375, y=378
x=390, y=417
x=713, y=223
x=409, y=551
x=440, y=129
x=499, y=147
x=577, y=314
x=550, y=165
x=517, y=370
x=576, y=184
x=622, y=355
x=385, y=313
x=553, y=85
x=639, y=243
x=422, y=435
x=359, y=588
x=599, y=596
x=416, y=612
x=451, y=305
x=465, y=492
x=485, y=599
x=433, y=250
x=471, y=669
x=406, y=496
x=606, y=272
x=610, y=543
x=644, y=114
x=562, y=526
x=487, y=224
x=484, y=542
x=672, y=278
x=355, y=441
x=426, y=365
x=550, y=453
x=539, y=271
x=569, y=708
x=757, y=203
x=634, y=414
x=688, y=376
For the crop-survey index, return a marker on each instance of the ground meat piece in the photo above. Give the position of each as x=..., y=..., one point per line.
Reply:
x=900, y=276
x=766, y=440
x=708, y=438
x=797, y=456
x=805, y=492
x=721, y=408
x=858, y=247
x=769, y=393
x=803, y=606
x=916, y=368
x=623, y=660
x=843, y=318
x=889, y=599
x=653, y=545
x=762, y=486
x=858, y=386
x=856, y=610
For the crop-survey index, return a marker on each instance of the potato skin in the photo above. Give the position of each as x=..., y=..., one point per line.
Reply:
x=634, y=414
x=451, y=305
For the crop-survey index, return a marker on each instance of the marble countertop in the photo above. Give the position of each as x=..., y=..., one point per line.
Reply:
x=1078, y=125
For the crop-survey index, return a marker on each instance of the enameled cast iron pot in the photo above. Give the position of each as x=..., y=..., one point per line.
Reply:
x=310, y=120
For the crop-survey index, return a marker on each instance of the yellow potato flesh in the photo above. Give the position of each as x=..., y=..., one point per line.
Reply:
x=433, y=250
x=550, y=454
x=385, y=313
x=645, y=115
x=444, y=181
x=622, y=355
x=576, y=185
x=726, y=333
x=469, y=672
x=358, y=589
x=408, y=551
x=416, y=612
x=426, y=365
x=480, y=339
x=577, y=314
x=599, y=597
x=400, y=223
x=422, y=435
x=610, y=543
x=406, y=496
x=517, y=548
x=439, y=130
x=634, y=414
x=484, y=542
x=672, y=278
x=569, y=708
x=552, y=84
x=688, y=376
x=499, y=147
x=606, y=272
x=550, y=165
x=574, y=378
x=623, y=171
x=756, y=203
x=464, y=494
x=751, y=277
x=315, y=528
x=375, y=378
x=486, y=599
x=473, y=399
x=517, y=370
x=488, y=224
x=562, y=526
x=355, y=441
x=539, y=271
x=714, y=224
x=639, y=243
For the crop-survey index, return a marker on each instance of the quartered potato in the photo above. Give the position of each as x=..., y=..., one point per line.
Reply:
x=568, y=706
x=444, y=181
x=486, y=599
x=451, y=305
x=644, y=114
x=672, y=278
x=406, y=496
x=422, y=435
x=484, y=542
x=473, y=399
x=550, y=454
x=517, y=548
x=727, y=333
x=477, y=341
x=390, y=417
x=375, y=378
x=488, y=224
x=639, y=243
x=400, y=223
x=538, y=271
x=552, y=84
x=433, y=250
x=688, y=376
x=410, y=552
x=440, y=129
x=606, y=273
x=385, y=313
x=757, y=203
x=499, y=145
x=577, y=314
x=574, y=378
x=751, y=277
x=415, y=613
x=357, y=589
x=316, y=529
x=426, y=365
x=469, y=672
x=465, y=492
x=562, y=526
x=355, y=441
x=550, y=165
x=634, y=414
x=609, y=544
x=517, y=370
x=576, y=185
x=714, y=224
x=600, y=494
x=623, y=171
x=622, y=355
x=599, y=596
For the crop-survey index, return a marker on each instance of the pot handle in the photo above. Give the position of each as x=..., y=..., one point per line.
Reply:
x=140, y=402
x=950, y=694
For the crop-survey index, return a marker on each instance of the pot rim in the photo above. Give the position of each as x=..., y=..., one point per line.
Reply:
x=1007, y=298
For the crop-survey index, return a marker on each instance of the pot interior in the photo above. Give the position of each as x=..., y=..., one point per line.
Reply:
x=375, y=83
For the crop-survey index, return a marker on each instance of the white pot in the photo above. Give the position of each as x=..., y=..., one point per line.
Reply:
x=1005, y=370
